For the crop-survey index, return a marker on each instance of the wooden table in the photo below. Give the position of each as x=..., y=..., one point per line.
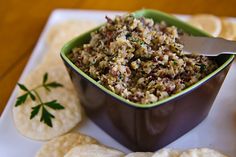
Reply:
x=21, y=23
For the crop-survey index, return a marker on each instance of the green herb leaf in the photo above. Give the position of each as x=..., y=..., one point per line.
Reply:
x=21, y=99
x=202, y=67
x=32, y=96
x=35, y=111
x=46, y=117
x=45, y=78
x=53, y=85
x=128, y=35
x=22, y=87
x=54, y=105
x=175, y=62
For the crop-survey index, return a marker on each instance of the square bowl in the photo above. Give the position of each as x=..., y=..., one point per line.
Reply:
x=147, y=127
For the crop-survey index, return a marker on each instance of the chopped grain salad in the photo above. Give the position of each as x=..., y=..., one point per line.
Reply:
x=140, y=60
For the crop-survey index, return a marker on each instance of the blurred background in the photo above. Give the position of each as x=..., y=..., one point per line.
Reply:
x=21, y=23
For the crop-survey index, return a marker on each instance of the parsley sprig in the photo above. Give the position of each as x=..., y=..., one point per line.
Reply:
x=46, y=116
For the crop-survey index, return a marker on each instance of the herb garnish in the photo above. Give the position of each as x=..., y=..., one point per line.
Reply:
x=46, y=116
x=202, y=67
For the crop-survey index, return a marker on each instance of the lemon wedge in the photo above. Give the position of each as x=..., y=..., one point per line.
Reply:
x=209, y=23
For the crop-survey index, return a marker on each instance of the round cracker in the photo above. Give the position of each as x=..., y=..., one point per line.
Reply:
x=201, y=152
x=59, y=146
x=228, y=29
x=67, y=30
x=61, y=33
x=207, y=22
x=140, y=154
x=56, y=72
x=64, y=120
x=167, y=153
x=93, y=150
x=234, y=27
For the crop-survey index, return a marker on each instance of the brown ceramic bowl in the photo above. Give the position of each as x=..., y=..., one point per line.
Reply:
x=147, y=127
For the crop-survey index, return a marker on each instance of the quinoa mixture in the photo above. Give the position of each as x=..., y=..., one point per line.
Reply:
x=140, y=60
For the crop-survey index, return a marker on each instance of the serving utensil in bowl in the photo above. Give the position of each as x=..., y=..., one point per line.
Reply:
x=207, y=46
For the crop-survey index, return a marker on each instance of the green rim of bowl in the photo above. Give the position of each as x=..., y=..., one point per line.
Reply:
x=186, y=27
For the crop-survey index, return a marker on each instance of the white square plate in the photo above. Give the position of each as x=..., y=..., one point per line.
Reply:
x=217, y=131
